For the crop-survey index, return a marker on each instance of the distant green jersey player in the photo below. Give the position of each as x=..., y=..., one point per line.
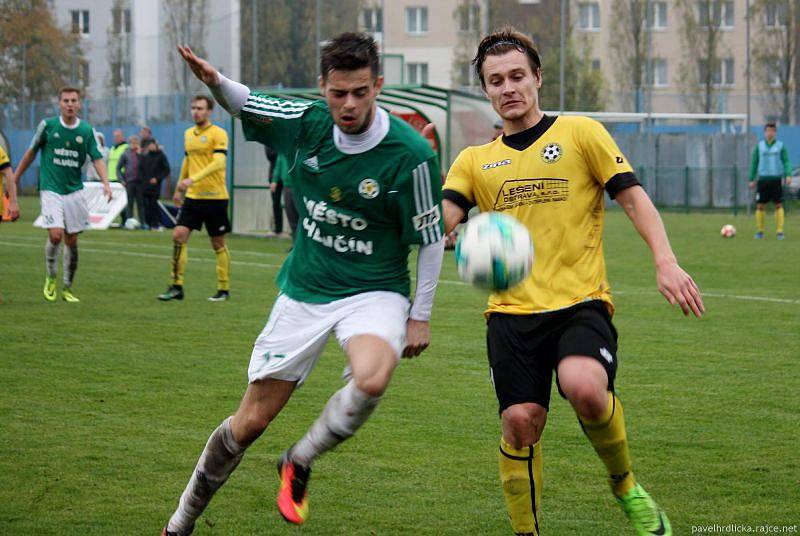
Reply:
x=64, y=141
x=367, y=187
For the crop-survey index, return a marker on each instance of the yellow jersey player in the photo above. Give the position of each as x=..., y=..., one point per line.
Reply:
x=550, y=173
x=9, y=187
x=203, y=197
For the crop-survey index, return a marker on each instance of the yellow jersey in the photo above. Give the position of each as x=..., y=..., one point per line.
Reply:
x=551, y=178
x=4, y=161
x=200, y=145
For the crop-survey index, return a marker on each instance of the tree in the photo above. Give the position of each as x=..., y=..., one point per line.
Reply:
x=280, y=35
x=184, y=22
x=630, y=48
x=775, y=54
x=37, y=56
x=701, y=37
x=585, y=90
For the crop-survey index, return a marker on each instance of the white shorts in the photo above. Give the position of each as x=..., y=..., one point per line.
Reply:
x=296, y=332
x=69, y=211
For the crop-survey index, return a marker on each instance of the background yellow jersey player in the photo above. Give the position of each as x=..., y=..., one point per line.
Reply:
x=203, y=197
x=551, y=174
x=9, y=187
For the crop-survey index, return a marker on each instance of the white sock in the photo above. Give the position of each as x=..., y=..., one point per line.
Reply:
x=51, y=258
x=219, y=458
x=344, y=413
x=69, y=264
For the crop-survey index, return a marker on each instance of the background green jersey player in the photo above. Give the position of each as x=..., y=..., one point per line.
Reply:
x=65, y=141
x=366, y=186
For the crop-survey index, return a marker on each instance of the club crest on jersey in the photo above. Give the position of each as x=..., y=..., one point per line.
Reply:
x=551, y=153
x=336, y=194
x=79, y=139
x=369, y=188
x=493, y=165
x=203, y=139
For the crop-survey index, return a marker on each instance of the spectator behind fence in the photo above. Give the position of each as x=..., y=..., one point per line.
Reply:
x=276, y=188
x=88, y=167
x=114, y=154
x=153, y=169
x=145, y=135
x=128, y=174
x=281, y=173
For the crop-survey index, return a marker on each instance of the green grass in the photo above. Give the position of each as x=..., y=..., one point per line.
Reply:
x=105, y=405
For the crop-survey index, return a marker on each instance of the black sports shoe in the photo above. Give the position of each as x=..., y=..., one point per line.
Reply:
x=221, y=295
x=173, y=292
x=166, y=532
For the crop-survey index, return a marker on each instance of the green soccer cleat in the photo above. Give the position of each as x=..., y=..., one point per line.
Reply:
x=173, y=292
x=50, y=289
x=68, y=296
x=647, y=517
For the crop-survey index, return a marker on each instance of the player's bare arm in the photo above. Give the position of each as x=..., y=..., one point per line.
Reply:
x=24, y=164
x=102, y=172
x=674, y=283
x=10, y=187
x=204, y=71
x=453, y=215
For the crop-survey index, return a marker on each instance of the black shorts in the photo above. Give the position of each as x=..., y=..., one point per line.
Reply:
x=770, y=191
x=524, y=350
x=211, y=212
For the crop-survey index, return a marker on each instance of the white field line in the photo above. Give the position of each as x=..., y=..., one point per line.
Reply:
x=642, y=291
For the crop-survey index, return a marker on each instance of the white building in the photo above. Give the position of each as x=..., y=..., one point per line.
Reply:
x=128, y=47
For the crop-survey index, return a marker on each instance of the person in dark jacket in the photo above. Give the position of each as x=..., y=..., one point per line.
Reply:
x=153, y=169
x=128, y=174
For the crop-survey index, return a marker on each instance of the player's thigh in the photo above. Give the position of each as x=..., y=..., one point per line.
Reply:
x=521, y=359
x=291, y=342
x=261, y=403
x=372, y=331
x=76, y=212
x=190, y=216
x=587, y=352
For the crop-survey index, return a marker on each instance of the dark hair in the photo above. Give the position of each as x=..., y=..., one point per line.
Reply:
x=209, y=100
x=68, y=89
x=502, y=41
x=771, y=124
x=350, y=52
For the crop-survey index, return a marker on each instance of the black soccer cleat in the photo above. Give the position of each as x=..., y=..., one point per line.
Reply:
x=173, y=292
x=166, y=532
x=221, y=295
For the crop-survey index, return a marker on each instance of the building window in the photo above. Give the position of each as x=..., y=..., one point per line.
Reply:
x=722, y=75
x=81, y=77
x=469, y=18
x=720, y=13
x=416, y=20
x=657, y=73
x=466, y=74
x=372, y=19
x=595, y=65
x=589, y=15
x=121, y=74
x=658, y=15
x=122, y=21
x=775, y=68
x=417, y=73
x=776, y=15
x=80, y=21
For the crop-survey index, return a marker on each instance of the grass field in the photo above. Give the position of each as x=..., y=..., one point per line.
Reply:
x=105, y=405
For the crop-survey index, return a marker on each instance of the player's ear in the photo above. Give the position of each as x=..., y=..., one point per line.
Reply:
x=321, y=82
x=378, y=84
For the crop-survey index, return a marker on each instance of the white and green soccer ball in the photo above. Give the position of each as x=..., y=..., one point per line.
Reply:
x=494, y=251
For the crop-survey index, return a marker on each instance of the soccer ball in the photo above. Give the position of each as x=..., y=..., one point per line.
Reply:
x=132, y=223
x=728, y=231
x=494, y=251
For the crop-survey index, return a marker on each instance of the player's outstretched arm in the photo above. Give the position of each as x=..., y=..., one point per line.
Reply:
x=204, y=71
x=229, y=94
x=674, y=283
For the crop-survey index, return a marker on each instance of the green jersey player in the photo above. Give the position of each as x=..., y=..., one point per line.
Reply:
x=65, y=141
x=366, y=186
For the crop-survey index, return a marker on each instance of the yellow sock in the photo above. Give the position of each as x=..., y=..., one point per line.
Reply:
x=779, y=219
x=608, y=437
x=178, y=263
x=223, y=268
x=760, y=220
x=521, y=475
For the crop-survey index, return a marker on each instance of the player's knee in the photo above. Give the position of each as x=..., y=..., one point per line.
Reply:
x=588, y=399
x=523, y=424
x=375, y=384
x=56, y=236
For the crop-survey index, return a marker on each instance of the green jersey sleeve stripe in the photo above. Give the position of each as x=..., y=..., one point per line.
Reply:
x=423, y=201
x=267, y=113
x=254, y=100
x=437, y=235
x=36, y=142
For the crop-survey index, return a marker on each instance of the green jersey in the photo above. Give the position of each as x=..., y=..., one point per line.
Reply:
x=64, y=150
x=359, y=209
